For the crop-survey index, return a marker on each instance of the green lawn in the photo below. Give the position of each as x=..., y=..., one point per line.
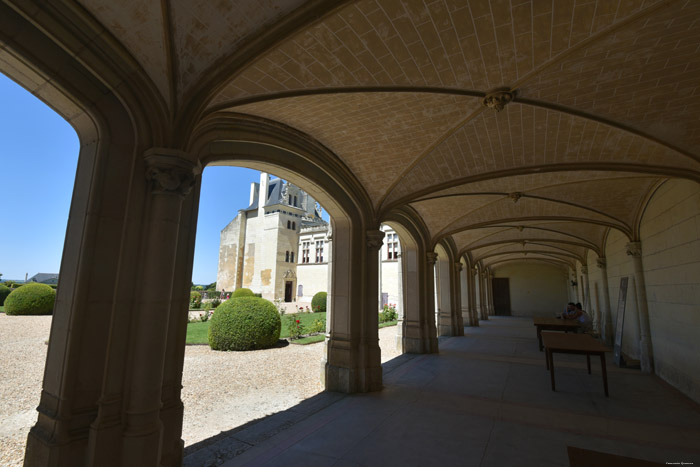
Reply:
x=197, y=333
x=388, y=323
x=309, y=340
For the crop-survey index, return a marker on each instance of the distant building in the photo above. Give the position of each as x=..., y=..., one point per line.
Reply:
x=44, y=278
x=258, y=248
x=278, y=246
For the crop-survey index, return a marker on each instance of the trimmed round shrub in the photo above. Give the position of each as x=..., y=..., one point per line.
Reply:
x=242, y=292
x=318, y=303
x=4, y=292
x=245, y=323
x=31, y=299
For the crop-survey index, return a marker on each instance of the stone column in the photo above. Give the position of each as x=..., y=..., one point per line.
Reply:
x=473, y=313
x=483, y=296
x=585, y=288
x=604, y=324
x=465, y=295
x=399, y=306
x=171, y=178
x=634, y=249
x=489, y=291
x=418, y=330
x=353, y=355
x=443, y=313
x=456, y=299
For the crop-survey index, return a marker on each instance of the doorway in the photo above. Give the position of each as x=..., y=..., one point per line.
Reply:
x=288, y=289
x=501, y=296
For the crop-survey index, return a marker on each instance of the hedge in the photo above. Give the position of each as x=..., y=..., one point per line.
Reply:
x=242, y=292
x=318, y=303
x=4, y=292
x=31, y=299
x=245, y=323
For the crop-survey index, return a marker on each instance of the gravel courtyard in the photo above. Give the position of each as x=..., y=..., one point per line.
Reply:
x=222, y=390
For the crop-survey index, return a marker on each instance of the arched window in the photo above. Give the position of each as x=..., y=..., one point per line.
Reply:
x=291, y=257
x=290, y=199
x=286, y=258
x=295, y=201
x=289, y=224
x=294, y=225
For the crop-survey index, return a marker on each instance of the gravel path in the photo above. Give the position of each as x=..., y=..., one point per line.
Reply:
x=222, y=390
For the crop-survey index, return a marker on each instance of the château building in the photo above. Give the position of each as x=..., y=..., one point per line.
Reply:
x=278, y=246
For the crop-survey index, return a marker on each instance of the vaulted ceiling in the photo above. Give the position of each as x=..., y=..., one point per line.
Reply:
x=605, y=102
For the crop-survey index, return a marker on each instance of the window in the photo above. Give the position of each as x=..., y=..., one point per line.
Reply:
x=290, y=199
x=294, y=225
x=295, y=201
x=289, y=224
x=305, y=246
x=319, y=251
x=392, y=246
x=291, y=257
x=286, y=258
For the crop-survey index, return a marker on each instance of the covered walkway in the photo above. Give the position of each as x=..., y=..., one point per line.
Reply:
x=484, y=400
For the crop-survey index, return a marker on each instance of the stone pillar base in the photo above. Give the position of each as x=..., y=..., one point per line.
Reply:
x=419, y=345
x=351, y=380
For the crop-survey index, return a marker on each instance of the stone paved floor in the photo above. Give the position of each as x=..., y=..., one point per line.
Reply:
x=484, y=400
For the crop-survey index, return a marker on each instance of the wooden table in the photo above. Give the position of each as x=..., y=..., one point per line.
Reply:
x=553, y=324
x=581, y=344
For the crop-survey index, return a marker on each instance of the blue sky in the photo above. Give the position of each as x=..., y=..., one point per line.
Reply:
x=38, y=159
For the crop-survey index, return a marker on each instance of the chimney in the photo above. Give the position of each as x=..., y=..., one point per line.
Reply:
x=254, y=187
x=262, y=195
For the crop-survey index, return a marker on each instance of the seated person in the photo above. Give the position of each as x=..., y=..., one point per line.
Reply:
x=581, y=316
x=570, y=310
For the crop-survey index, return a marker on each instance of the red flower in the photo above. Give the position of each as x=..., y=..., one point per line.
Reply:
x=298, y=321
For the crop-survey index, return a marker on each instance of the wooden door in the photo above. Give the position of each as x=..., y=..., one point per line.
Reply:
x=501, y=296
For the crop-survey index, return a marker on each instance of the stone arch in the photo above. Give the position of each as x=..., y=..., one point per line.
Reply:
x=417, y=332
x=447, y=290
x=91, y=372
x=353, y=358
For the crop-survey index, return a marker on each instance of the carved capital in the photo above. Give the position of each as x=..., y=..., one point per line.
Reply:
x=584, y=269
x=375, y=239
x=497, y=100
x=432, y=257
x=601, y=263
x=458, y=267
x=634, y=249
x=169, y=173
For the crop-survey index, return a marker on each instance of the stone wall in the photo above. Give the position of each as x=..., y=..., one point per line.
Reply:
x=535, y=288
x=670, y=233
x=621, y=265
x=228, y=256
x=313, y=278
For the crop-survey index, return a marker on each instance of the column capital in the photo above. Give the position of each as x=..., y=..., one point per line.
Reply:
x=432, y=257
x=375, y=239
x=601, y=263
x=584, y=269
x=169, y=172
x=459, y=266
x=634, y=249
